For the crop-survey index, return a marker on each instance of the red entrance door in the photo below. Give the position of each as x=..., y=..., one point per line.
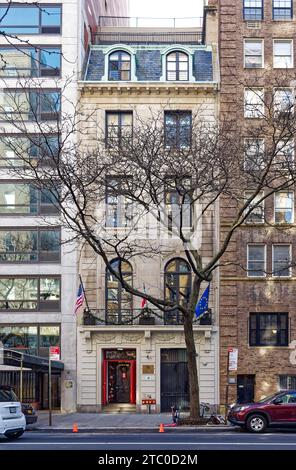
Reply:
x=119, y=381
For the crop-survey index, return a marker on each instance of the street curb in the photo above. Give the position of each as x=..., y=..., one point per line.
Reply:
x=109, y=430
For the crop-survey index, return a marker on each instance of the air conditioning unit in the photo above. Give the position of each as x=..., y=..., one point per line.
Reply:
x=253, y=24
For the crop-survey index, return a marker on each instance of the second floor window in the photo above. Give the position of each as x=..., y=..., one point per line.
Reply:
x=178, y=204
x=283, y=100
x=284, y=155
x=32, y=245
x=253, y=10
x=177, y=279
x=254, y=155
x=283, y=53
x=268, y=329
x=119, y=303
x=257, y=214
x=284, y=207
x=177, y=66
x=30, y=293
x=119, y=66
x=253, y=53
x=119, y=127
x=34, y=106
x=118, y=206
x=256, y=261
x=282, y=10
x=29, y=62
x=281, y=260
x=254, y=102
x=177, y=129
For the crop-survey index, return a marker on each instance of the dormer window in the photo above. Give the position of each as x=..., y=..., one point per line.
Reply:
x=119, y=66
x=177, y=67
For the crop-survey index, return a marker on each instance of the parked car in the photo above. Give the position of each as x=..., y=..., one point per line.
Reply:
x=12, y=419
x=276, y=410
x=30, y=413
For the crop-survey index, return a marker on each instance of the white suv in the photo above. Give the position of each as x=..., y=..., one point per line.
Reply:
x=12, y=420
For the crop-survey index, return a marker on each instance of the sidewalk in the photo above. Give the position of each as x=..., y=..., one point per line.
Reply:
x=114, y=423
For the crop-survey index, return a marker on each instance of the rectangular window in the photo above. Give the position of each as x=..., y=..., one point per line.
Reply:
x=284, y=207
x=28, y=150
x=119, y=208
x=283, y=53
x=31, y=19
x=178, y=127
x=178, y=204
x=254, y=155
x=284, y=156
x=25, y=199
x=253, y=53
x=119, y=127
x=40, y=245
x=282, y=10
x=283, y=100
x=30, y=339
x=287, y=382
x=30, y=293
x=253, y=10
x=29, y=62
x=39, y=105
x=256, y=260
x=257, y=214
x=254, y=103
x=268, y=329
x=281, y=260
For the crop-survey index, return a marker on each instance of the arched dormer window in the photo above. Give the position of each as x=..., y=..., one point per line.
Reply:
x=177, y=66
x=119, y=66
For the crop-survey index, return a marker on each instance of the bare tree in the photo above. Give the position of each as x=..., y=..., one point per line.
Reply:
x=169, y=181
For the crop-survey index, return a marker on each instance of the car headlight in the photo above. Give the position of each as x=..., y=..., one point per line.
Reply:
x=240, y=408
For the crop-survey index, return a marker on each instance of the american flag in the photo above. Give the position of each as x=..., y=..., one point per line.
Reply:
x=80, y=297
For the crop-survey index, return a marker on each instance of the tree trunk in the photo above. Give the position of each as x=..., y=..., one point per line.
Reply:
x=191, y=352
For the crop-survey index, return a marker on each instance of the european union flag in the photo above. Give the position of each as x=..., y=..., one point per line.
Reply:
x=202, y=305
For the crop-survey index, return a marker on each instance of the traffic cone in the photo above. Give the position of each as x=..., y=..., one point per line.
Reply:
x=161, y=428
x=75, y=427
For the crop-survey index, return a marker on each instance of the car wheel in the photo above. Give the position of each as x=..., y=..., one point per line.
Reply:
x=14, y=435
x=256, y=423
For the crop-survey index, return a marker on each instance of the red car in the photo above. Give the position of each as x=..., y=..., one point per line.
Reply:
x=277, y=410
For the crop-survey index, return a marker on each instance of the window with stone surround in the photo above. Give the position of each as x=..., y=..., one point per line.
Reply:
x=256, y=260
x=253, y=53
x=119, y=66
x=253, y=10
x=254, y=102
x=282, y=10
x=178, y=127
x=283, y=53
x=268, y=329
x=119, y=302
x=119, y=126
x=177, y=66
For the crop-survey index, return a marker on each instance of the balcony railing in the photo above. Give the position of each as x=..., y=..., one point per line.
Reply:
x=149, y=22
x=101, y=317
x=149, y=37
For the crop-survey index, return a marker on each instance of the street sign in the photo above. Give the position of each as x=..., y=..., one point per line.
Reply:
x=54, y=353
x=232, y=358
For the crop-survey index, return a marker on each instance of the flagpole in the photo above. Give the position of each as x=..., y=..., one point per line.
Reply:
x=82, y=285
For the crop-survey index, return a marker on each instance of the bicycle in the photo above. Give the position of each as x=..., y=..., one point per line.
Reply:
x=213, y=418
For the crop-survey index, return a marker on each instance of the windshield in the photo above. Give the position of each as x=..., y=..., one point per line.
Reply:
x=266, y=399
x=7, y=395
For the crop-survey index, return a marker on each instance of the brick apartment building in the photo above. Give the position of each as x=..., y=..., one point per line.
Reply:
x=258, y=309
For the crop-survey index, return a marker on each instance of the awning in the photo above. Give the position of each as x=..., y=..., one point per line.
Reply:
x=6, y=368
x=34, y=363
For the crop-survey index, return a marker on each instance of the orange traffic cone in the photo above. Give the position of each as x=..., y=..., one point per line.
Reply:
x=161, y=428
x=75, y=427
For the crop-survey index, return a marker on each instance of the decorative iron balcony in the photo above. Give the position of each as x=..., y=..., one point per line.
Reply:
x=147, y=316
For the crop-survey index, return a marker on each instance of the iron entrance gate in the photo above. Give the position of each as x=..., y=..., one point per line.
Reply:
x=174, y=382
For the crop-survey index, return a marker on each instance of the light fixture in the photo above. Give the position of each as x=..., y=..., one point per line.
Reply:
x=119, y=349
x=274, y=331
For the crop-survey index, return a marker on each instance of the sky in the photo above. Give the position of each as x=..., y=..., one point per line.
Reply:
x=166, y=8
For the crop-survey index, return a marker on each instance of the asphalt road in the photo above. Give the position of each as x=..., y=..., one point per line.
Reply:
x=233, y=440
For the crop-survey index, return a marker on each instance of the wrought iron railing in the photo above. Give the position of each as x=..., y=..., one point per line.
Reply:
x=150, y=22
x=146, y=316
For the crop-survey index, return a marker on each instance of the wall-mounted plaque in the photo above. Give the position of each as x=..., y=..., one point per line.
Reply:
x=147, y=369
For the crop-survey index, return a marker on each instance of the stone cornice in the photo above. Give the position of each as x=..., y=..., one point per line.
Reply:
x=148, y=88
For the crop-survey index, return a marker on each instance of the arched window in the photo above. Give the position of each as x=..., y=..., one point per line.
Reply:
x=119, y=66
x=177, y=66
x=118, y=302
x=177, y=281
